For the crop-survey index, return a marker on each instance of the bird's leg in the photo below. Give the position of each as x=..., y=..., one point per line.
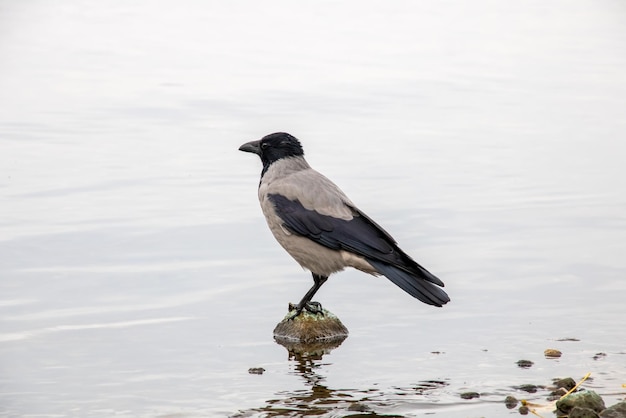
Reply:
x=305, y=303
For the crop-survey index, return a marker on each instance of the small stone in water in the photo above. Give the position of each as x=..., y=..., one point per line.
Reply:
x=528, y=388
x=598, y=356
x=568, y=383
x=359, y=407
x=470, y=395
x=552, y=353
x=256, y=370
x=524, y=364
x=523, y=410
x=510, y=402
x=556, y=394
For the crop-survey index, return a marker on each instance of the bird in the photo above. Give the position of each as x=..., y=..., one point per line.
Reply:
x=320, y=227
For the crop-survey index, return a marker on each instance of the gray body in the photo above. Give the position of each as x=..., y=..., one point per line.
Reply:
x=293, y=178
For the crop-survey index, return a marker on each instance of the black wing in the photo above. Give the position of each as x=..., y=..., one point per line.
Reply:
x=360, y=235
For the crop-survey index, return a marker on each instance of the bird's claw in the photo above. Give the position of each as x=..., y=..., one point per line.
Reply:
x=314, y=308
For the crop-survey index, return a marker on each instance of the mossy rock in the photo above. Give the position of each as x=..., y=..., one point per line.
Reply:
x=583, y=399
x=310, y=327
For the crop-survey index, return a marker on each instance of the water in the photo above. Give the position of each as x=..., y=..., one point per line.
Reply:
x=137, y=277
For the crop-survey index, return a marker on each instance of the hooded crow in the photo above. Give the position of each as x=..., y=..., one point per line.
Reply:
x=316, y=223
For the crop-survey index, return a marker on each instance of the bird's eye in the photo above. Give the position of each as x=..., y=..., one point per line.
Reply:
x=264, y=145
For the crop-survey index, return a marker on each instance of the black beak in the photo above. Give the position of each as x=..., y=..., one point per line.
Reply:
x=252, y=146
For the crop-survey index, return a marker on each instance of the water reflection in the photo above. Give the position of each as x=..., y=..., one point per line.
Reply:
x=299, y=349
x=318, y=399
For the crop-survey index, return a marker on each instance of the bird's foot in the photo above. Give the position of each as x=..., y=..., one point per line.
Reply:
x=314, y=308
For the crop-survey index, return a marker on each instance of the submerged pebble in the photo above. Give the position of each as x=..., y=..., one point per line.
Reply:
x=524, y=364
x=470, y=395
x=556, y=394
x=528, y=388
x=359, y=407
x=510, y=402
x=567, y=383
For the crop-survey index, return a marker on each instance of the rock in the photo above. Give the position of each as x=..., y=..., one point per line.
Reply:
x=560, y=388
x=510, y=402
x=523, y=410
x=616, y=411
x=553, y=398
x=310, y=327
x=524, y=364
x=552, y=353
x=583, y=399
x=599, y=356
x=578, y=412
x=567, y=383
x=256, y=370
x=470, y=395
x=359, y=407
x=527, y=388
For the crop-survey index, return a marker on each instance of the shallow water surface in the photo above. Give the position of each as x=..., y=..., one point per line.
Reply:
x=138, y=278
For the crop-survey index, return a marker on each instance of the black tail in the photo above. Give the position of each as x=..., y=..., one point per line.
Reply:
x=419, y=286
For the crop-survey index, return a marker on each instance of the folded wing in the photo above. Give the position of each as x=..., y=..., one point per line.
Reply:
x=362, y=236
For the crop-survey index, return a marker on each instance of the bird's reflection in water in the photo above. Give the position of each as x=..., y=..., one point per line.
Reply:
x=318, y=399
x=306, y=358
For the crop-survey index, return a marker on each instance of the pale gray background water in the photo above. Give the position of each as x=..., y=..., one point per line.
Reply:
x=137, y=277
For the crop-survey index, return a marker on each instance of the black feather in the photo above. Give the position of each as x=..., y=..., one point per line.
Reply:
x=420, y=289
x=362, y=236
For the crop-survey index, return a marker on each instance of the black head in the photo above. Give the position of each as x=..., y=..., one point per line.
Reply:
x=273, y=147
